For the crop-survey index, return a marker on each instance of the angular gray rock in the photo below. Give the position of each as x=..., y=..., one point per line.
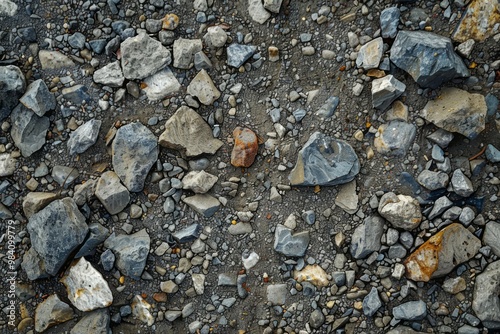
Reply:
x=36, y=201
x=110, y=75
x=400, y=210
x=202, y=87
x=7, y=164
x=257, y=11
x=277, y=293
x=326, y=161
x=95, y=322
x=491, y=237
x=8, y=8
x=440, y=206
x=38, y=98
x=108, y=260
x=204, y=204
x=461, y=184
x=12, y=87
x=371, y=303
x=389, y=20
x=188, y=234
x=54, y=60
x=273, y=5
x=50, y=312
x=316, y=319
x=215, y=37
x=290, y=244
x=143, y=56
x=394, y=138
x=77, y=40
x=134, y=151
x=327, y=109
x=441, y=137
x=131, y=252
x=97, y=235
x=366, y=237
x=486, y=303
x=492, y=153
x=199, y=182
x=433, y=180
x=370, y=54
x=161, y=84
x=84, y=137
x=84, y=192
x=412, y=311
x=28, y=130
x=112, y=194
x=238, y=54
x=184, y=50
x=429, y=58
x=64, y=175
x=385, y=90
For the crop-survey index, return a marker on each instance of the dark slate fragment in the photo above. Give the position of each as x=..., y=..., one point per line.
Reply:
x=188, y=234
x=238, y=54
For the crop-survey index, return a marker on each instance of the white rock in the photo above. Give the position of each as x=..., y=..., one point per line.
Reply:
x=215, y=37
x=110, y=75
x=257, y=11
x=400, y=210
x=7, y=8
x=199, y=181
x=250, y=259
x=141, y=310
x=198, y=283
x=203, y=88
x=161, y=84
x=370, y=54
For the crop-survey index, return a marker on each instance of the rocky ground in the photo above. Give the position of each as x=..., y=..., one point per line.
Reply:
x=250, y=166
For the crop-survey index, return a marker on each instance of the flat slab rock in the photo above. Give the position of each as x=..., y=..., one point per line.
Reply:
x=290, y=244
x=28, y=130
x=50, y=312
x=366, y=237
x=394, y=138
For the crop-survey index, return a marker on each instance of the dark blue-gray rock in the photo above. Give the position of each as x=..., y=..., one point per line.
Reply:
x=324, y=161
x=28, y=130
x=153, y=26
x=84, y=137
x=492, y=103
x=76, y=94
x=413, y=311
x=309, y=217
x=108, y=260
x=77, y=40
x=28, y=34
x=492, y=153
x=433, y=180
x=461, y=184
x=95, y=322
x=188, y=234
x=370, y=54
x=491, y=237
x=143, y=56
x=371, y=303
x=64, y=175
x=437, y=153
x=131, y=252
x=38, y=98
x=55, y=232
x=316, y=319
x=169, y=205
x=441, y=137
x=134, y=151
x=289, y=244
x=7, y=8
x=204, y=204
x=385, y=90
x=389, y=20
x=241, y=282
x=440, y=206
x=299, y=114
x=110, y=75
x=112, y=45
x=12, y=87
x=98, y=45
x=201, y=61
x=394, y=138
x=97, y=235
x=327, y=109
x=366, y=237
x=429, y=58
x=238, y=54
x=486, y=303
x=112, y=194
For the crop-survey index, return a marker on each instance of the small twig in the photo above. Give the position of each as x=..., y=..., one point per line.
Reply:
x=478, y=154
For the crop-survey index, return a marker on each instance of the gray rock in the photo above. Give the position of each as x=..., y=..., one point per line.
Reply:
x=201, y=61
x=64, y=175
x=441, y=137
x=84, y=137
x=161, y=85
x=95, y=322
x=273, y=5
x=433, y=180
x=143, y=56
x=396, y=251
x=277, y=294
x=478, y=22
x=452, y=213
x=385, y=90
x=51, y=60
x=309, y=217
x=199, y=182
x=33, y=265
x=110, y=75
x=198, y=283
x=188, y=234
x=131, y=252
x=7, y=164
x=486, y=303
x=366, y=237
x=389, y=20
x=184, y=50
x=466, y=329
x=316, y=319
x=171, y=315
x=28, y=130
x=8, y=9
x=370, y=54
x=492, y=153
x=215, y=37
x=327, y=109
x=394, y=138
x=288, y=244
x=413, y=311
x=347, y=198
x=204, y=204
x=371, y=303
x=77, y=40
x=403, y=330
x=153, y=26
x=134, y=150
x=38, y=98
x=467, y=216
x=35, y=201
x=257, y=11
x=84, y=192
x=492, y=103
x=491, y=237
x=440, y=206
x=55, y=232
x=50, y=312
x=324, y=161
x=202, y=87
x=238, y=54
x=98, y=45
x=12, y=87
x=112, y=194
x=240, y=228
x=76, y=94
x=461, y=184
x=437, y=153
x=108, y=260
x=400, y=210
x=427, y=57
x=97, y=235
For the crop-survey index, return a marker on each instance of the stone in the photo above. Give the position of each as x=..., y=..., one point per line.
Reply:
x=131, y=252
x=486, y=302
x=461, y=184
x=95, y=322
x=412, y=311
x=36, y=201
x=249, y=259
x=50, y=312
x=400, y=210
x=84, y=192
x=324, y=161
x=465, y=48
x=77, y=40
x=394, y=138
x=161, y=85
x=110, y=75
x=440, y=205
x=33, y=265
x=398, y=112
x=371, y=303
x=438, y=256
x=246, y=145
x=347, y=199
x=203, y=88
x=492, y=153
x=143, y=56
x=184, y=50
x=457, y=111
x=8, y=9
x=28, y=130
x=257, y=11
x=316, y=319
x=77, y=94
x=112, y=194
x=433, y=180
x=403, y=330
x=199, y=182
x=385, y=90
x=313, y=274
x=240, y=228
x=64, y=175
x=12, y=87
x=273, y=5
x=141, y=310
x=97, y=235
x=38, y=98
x=327, y=109
x=441, y=137
x=53, y=60
x=479, y=22
x=7, y=164
x=108, y=260
x=170, y=21
x=389, y=20
x=204, y=204
x=277, y=294
x=169, y=287
x=215, y=37
x=134, y=151
x=87, y=289
x=84, y=137
x=429, y=58
x=201, y=61
x=454, y=285
x=188, y=132
x=198, y=283
x=288, y=244
x=370, y=54
x=491, y=237
x=366, y=237
x=238, y=54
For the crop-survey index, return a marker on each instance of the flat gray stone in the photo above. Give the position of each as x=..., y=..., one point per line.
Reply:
x=184, y=51
x=347, y=198
x=204, y=204
x=395, y=138
x=84, y=137
x=492, y=153
x=491, y=237
x=215, y=37
x=108, y=260
x=77, y=40
x=277, y=294
x=161, y=85
x=461, y=184
x=28, y=130
x=95, y=322
x=440, y=205
x=38, y=98
x=64, y=175
x=370, y=54
x=188, y=234
x=112, y=194
x=202, y=87
x=36, y=201
x=288, y=244
x=327, y=109
x=385, y=91
x=441, y=137
x=371, y=303
x=273, y=5
x=77, y=94
x=389, y=20
x=433, y=180
x=238, y=54
x=257, y=11
x=412, y=311
x=51, y=60
x=486, y=303
x=366, y=237
x=12, y=87
x=50, y=312
x=131, y=252
x=316, y=319
x=97, y=235
x=110, y=75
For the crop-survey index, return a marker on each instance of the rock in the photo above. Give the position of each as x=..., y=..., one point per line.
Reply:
x=108, y=260
x=201, y=61
x=203, y=88
x=457, y=111
x=131, y=252
x=141, y=310
x=465, y=48
x=492, y=153
x=169, y=287
x=84, y=137
x=238, y=54
x=385, y=90
x=134, y=150
x=347, y=199
x=36, y=201
x=371, y=303
x=77, y=40
x=276, y=294
x=84, y=192
x=491, y=237
x=440, y=206
x=398, y=112
x=389, y=20
x=288, y=244
x=198, y=283
x=12, y=87
x=273, y=5
x=188, y=234
x=403, y=330
x=370, y=54
x=55, y=232
x=112, y=194
x=28, y=130
x=246, y=145
x=366, y=237
x=77, y=94
x=479, y=22
x=441, y=137
x=327, y=109
x=184, y=50
x=486, y=290
x=249, y=259
x=170, y=21
x=204, y=204
x=438, y=256
x=64, y=175
x=427, y=57
x=461, y=184
x=313, y=274
x=87, y=289
x=38, y=98
x=7, y=164
x=187, y=131
x=324, y=161
x=161, y=85
x=96, y=322
x=199, y=182
x=110, y=75
x=215, y=37
x=52, y=60
x=394, y=138
x=257, y=11
x=33, y=265
x=433, y=180
x=400, y=210
x=454, y=285
x=50, y=312
x=8, y=9
x=316, y=319
x=240, y=228
x=412, y=311
x=143, y=56
x=97, y=235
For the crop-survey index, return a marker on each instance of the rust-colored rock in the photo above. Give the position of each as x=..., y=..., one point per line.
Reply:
x=445, y=250
x=245, y=147
x=313, y=274
x=170, y=22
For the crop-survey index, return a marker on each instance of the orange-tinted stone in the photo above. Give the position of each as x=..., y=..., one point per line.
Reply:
x=170, y=22
x=245, y=147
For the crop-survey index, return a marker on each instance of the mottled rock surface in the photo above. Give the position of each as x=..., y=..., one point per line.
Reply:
x=246, y=145
x=290, y=244
x=400, y=210
x=112, y=194
x=394, y=138
x=50, y=312
x=202, y=87
x=366, y=237
x=38, y=98
x=84, y=137
x=486, y=303
x=12, y=87
x=161, y=85
x=131, y=252
x=28, y=130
